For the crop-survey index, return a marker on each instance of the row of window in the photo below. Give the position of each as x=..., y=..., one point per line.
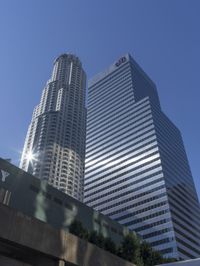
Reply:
x=186, y=236
x=185, y=221
x=51, y=197
x=101, y=87
x=157, y=233
x=121, y=153
x=188, y=246
x=140, y=167
x=110, y=107
x=122, y=139
x=125, y=114
x=186, y=253
x=130, y=198
x=136, y=204
x=161, y=242
x=132, y=214
x=136, y=196
x=110, y=79
x=120, y=160
x=128, y=138
x=166, y=251
x=150, y=216
x=182, y=211
x=118, y=90
x=152, y=225
x=115, y=108
x=181, y=201
x=143, y=175
x=120, y=150
x=132, y=124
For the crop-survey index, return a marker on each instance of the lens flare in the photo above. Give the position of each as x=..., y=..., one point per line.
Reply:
x=30, y=156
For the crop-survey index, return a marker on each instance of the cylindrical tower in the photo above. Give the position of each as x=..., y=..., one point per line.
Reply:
x=54, y=148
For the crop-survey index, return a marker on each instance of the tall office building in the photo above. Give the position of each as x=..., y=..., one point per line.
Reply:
x=54, y=148
x=137, y=170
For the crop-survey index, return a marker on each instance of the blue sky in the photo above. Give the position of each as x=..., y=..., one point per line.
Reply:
x=163, y=37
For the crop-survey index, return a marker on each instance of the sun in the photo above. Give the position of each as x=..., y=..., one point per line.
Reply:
x=30, y=156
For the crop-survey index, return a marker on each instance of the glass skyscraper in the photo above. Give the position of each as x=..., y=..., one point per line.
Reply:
x=136, y=169
x=54, y=148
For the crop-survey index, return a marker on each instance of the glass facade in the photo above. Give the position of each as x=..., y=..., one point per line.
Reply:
x=136, y=169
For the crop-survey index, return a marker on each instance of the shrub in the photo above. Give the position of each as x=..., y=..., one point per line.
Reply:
x=131, y=248
x=97, y=239
x=109, y=245
x=77, y=229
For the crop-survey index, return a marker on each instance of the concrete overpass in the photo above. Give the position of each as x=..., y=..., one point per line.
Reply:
x=26, y=241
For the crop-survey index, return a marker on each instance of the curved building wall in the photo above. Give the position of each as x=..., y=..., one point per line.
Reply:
x=54, y=149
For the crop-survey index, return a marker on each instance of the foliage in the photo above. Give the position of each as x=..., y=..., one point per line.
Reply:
x=109, y=245
x=167, y=260
x=151, y=257
x=146, y=253
x=77, y=229
x=97, y=239
x=131, y=248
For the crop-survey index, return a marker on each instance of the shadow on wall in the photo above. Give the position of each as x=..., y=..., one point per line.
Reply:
x=15, y=192
x=33, y=198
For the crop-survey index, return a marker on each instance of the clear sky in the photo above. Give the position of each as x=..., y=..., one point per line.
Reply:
x=162, y=35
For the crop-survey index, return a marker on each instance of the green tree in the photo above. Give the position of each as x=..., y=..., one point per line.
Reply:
x=146, y=252
x=97, y=239
x=109, y=245
x=77, y=229
x=152, y=257
x=130, y=249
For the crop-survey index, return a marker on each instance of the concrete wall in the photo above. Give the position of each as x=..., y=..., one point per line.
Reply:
x=36, y=243
x=35, y=198
x=5, y=261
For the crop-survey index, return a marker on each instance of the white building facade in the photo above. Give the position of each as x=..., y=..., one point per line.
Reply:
x=54, y=148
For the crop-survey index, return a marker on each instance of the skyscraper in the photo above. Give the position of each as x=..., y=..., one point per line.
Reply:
x=137, y=170
x=54, y=148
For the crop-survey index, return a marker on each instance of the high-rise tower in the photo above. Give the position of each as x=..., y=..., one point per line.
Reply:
x=54, y=148
x=137, y=170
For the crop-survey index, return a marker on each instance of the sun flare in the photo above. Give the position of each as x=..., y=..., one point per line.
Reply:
x=30, y=156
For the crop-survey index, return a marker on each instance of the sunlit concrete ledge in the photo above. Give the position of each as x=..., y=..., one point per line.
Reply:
x=26, y=241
